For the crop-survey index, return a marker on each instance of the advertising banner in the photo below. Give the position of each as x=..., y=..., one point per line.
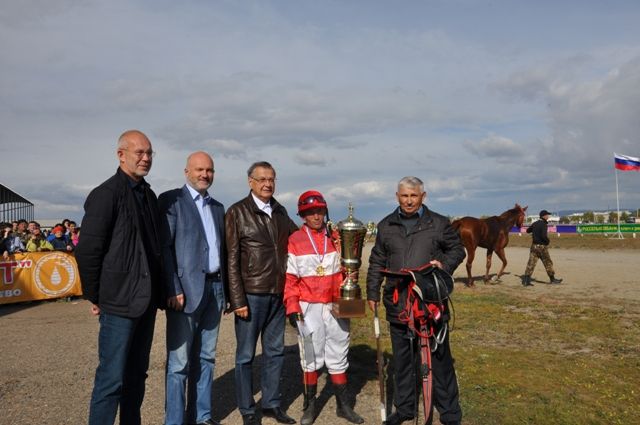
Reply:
x=38, y=276
x=608, y=228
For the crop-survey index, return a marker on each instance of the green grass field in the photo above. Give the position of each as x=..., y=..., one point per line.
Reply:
x=596, y=241
x=538, y=361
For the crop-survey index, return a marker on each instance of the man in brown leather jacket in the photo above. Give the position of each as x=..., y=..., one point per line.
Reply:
x=257, y=230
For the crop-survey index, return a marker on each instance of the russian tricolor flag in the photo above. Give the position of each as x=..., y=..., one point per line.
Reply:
x=626, y=163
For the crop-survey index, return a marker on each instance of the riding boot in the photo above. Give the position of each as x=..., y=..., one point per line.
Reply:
x=343, y=410
x=309, y=407
x=553, y=279
x=526, y=280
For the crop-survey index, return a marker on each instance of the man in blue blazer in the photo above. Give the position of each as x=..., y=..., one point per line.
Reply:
x=193, y=255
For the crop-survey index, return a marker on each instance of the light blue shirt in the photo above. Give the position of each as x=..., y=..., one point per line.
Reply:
x=206, y=215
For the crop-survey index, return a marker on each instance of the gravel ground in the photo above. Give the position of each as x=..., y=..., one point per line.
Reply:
x=49, y=348
x=49, y=359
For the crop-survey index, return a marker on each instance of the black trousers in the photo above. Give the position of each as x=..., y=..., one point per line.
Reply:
x=445, y=384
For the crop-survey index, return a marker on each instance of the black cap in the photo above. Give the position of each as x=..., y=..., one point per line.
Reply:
x=544, y=212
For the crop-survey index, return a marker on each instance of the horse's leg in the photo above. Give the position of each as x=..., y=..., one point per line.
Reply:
x=503, y=257
x=486, y=275
x=471, y=253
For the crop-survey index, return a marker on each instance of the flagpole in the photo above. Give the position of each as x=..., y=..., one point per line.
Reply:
x=618, y=205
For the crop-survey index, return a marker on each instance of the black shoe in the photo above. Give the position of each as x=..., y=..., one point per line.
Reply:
x=309, y=407
x=343, y=409
x=309, y=413
x=555, y=280
x=250, y=420
x=396, y=419
x=209, y=422
x=526, y=280
x=279, y=415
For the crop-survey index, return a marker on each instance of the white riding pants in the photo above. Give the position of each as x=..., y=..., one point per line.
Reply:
x=330, y=338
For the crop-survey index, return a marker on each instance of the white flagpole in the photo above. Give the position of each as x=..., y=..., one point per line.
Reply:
x=618, y=205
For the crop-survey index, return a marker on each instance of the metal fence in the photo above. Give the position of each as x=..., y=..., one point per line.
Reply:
x=14, y=206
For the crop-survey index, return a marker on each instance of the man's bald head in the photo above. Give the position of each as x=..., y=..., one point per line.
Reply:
x=135, y=154
x=131, y=135
x=199, y=171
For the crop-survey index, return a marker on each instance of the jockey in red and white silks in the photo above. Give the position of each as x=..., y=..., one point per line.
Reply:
x=313, y=281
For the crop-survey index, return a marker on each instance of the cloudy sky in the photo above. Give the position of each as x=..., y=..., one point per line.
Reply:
x=489, y=102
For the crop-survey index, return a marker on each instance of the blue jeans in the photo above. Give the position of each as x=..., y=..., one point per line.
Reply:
x=267, y=319
x=191, y=357
x=123, y=350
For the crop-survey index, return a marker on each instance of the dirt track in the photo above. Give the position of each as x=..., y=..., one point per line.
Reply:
x=49, y=348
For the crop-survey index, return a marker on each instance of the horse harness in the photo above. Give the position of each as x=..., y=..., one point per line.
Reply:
x=425, y=315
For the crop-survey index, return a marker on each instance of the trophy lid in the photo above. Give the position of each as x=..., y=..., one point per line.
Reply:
x=351, y=223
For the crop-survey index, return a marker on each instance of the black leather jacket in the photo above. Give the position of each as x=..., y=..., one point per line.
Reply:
x=432, y=238
x=112, y=260
x=256, y=249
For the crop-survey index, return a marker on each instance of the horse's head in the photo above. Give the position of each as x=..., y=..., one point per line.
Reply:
x=521, y=211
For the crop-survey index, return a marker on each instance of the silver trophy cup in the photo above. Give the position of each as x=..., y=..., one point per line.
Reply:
x=352, y=237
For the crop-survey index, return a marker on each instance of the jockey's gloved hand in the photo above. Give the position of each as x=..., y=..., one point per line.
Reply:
x=294, y=318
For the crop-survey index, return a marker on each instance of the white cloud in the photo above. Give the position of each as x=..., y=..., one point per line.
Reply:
x=343, y=99
x=498, y=147
x=311, y=159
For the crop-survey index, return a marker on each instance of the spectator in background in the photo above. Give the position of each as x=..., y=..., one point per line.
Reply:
x=60, y=241
x=74, y=233
x=65, y=224
x=21, y=231
x=5, y=239
x=5, y=235
x=9, y=243
x=14, y=226
x=51, y=236
x=37, y=242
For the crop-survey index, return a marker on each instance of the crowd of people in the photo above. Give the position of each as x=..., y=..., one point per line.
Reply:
x=27, y=236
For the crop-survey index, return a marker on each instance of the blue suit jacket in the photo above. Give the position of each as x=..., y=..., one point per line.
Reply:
x=184, y=246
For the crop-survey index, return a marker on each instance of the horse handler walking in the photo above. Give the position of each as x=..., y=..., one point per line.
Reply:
x=313, y=281
x=539, y=249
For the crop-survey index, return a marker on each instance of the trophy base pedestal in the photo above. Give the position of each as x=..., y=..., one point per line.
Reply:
x=345, y=308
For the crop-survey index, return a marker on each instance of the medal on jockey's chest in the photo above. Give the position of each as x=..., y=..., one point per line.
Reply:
x=320, y=269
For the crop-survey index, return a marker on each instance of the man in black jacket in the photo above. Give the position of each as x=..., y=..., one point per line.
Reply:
x=539, y=249
x=119, y=263
x=410, y=237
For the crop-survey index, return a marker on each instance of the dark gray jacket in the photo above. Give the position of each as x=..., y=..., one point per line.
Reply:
x=432, y=238
x=112, y=260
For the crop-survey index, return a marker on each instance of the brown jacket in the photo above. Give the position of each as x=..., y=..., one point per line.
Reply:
x=256, y=249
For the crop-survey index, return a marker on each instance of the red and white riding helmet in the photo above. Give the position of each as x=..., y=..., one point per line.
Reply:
x=309, y=200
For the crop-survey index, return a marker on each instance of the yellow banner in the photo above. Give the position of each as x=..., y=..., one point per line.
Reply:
x=38, y=276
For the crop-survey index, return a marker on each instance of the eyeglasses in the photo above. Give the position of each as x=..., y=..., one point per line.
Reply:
x=140, y=154
x=263, y=180
x=311, y=200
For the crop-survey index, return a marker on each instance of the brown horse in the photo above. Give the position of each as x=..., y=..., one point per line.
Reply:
x=491, y=233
